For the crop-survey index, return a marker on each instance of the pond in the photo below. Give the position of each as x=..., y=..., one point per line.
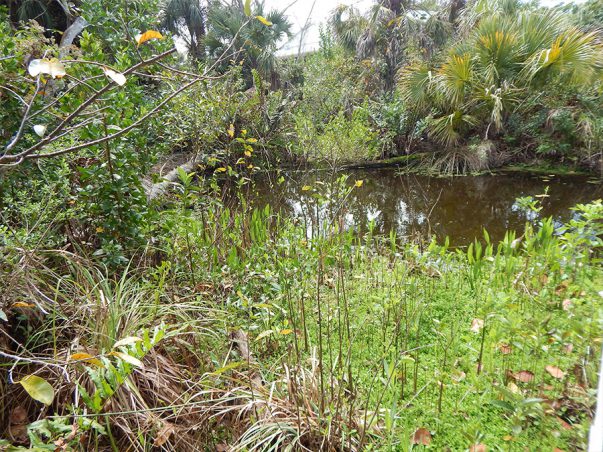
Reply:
x=418, y=206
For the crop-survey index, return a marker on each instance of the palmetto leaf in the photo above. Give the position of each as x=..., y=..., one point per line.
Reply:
x=574, y=55
x=446, y=129
x=454, y=78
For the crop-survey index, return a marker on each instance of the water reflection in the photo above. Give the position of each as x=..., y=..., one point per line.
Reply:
x=419, y=205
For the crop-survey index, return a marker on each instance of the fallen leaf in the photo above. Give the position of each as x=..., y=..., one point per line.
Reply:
x=513, y=388
x=38, y=388
x=164, y=434
x=505, y=349
x=477, y=325
x=421, y=436
x=478, y=448
x=22, y=304
x=458, y=376
x=525, y=376
x=555, y=372
x=86, y=358
x=147, y=36
x=562, y=287
x=564, y=424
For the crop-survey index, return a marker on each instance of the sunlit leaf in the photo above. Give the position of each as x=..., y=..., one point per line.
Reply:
x=477, y=325
x=264, y=21
x=247, y=8
x=127, y=358
x=38, y=388
x=358, y=183
x=86, y=359
x=264, y=334
x=148, y=35
x=52, y=67
x=306, y=188
x=221, y=170
x=127, y=341
x=22, y=304
x=231, y=131
x=286, y=331
x=40, y=130
x=117, y=77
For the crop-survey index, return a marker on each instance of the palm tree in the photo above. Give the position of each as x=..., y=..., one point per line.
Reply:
x=498, y=62
x=386, y=31
x=252, y=43
x=188, y=20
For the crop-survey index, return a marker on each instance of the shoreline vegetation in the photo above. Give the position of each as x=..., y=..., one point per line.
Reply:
x=146, y=303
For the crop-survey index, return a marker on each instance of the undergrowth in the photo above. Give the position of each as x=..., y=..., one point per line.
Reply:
x=238, y=330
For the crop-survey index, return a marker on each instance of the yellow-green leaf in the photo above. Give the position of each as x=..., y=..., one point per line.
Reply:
x=221, y=170
x=264, y=21
x=38, y=388
x=127, y=358
x=306, y=188
x=247, y=8
x=86, y=359
x=286, y=331
x=231, y=131
x=127, y=341
x=229, y=367
x=358, y=183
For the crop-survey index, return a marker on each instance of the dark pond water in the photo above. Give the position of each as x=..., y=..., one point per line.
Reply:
x=459, y=207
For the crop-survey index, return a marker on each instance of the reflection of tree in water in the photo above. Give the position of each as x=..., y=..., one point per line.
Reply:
x=458, y=207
